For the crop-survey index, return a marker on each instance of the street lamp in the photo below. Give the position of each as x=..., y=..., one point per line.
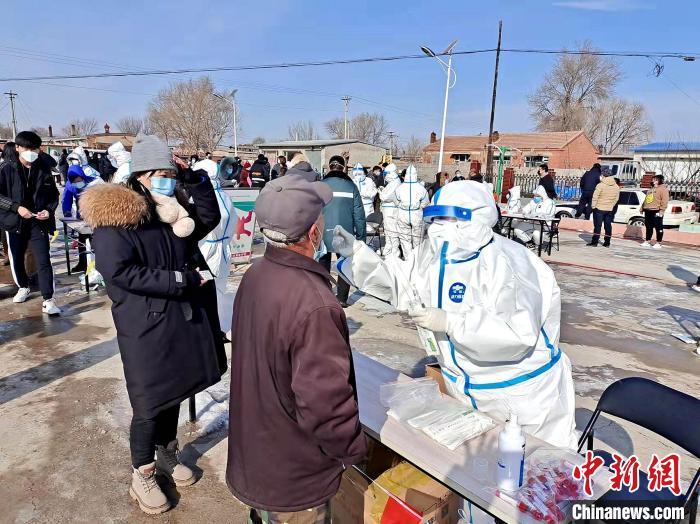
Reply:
x=451, y=81
x=232, y=101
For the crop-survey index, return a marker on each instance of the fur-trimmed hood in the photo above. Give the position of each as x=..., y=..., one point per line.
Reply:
x=114, y=205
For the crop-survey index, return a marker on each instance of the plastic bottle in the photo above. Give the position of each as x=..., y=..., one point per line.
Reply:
x=511, y=456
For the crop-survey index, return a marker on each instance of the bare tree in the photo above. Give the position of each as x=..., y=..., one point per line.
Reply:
x=258, y=140
x=5, y=130
x=368, y=127
x=192, y=113
x=302, y=131
x=39, y=130
x=130, y=125
x=83, y=126
x=617, y=125
x=413, y=150
x=336, y=128
x=576, y=86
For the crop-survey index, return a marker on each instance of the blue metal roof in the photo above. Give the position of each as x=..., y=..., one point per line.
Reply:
x=668, y=147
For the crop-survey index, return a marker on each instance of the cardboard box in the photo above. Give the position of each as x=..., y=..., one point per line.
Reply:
x=433, y=371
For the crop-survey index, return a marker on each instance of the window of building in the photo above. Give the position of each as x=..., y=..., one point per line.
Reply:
x=535, y=160
x=460, y=157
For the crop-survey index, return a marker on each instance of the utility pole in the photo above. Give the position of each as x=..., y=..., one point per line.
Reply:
x=489, y=155
x=346, y=99
x=392, y=135
x=12, y=106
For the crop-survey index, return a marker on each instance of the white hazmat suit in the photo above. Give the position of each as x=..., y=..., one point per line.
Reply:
x=366, y=187
x=121, y=159
x=513, y=205
x=411, y=198
x=541, y=206
x=216, y=246
x=387, y=196
x=493, y=306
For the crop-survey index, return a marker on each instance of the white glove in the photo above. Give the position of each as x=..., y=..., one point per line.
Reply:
x=343, y=242
x=430, y=318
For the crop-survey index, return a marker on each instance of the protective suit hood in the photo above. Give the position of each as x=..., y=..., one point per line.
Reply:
x=78, y=154
x=358, y=173
x=541, y=191
x=390, y=173
x=209, y=166
x=514, y=193
x=411, y=174
x=462, y=216
x=118, y=155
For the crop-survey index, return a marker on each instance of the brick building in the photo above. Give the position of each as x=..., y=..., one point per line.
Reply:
x=561, y=150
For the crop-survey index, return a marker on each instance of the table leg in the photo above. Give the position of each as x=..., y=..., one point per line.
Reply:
x=539, y=248
x=193, y=410
x=551, y=238
x=87, y=283
x=65, y=245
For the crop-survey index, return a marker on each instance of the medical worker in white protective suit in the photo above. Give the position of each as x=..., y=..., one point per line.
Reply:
x=216, y=246
x=541, y=206
x=387, y=198
x=365, y=185
x=493, y=306
x=513, y=200
x=411, y=198
x=121, y=159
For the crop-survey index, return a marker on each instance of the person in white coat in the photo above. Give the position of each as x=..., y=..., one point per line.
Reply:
x=216, y=246
x=513, y=204
x=365, y=185
x=121, y=159
x=387, y=198
x=541, y=206
x=411, y=198
x=493, y=306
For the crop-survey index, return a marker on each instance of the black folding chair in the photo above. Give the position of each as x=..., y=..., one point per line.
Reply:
x=669, y=413
x=375, y=226
x=551, y=231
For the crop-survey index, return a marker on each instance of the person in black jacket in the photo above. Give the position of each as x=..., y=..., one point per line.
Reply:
x=547, y=181
x=28, y=201
x=163, y=305
x=260, y=171
x=63, y=166
x=106, y=168
x=589, y=181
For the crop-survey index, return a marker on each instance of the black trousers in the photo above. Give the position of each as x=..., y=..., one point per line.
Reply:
x=146, y=433
x=601, y=218
x=343, y=286
x=31, y=234
x=585, y=206
x=652, y=221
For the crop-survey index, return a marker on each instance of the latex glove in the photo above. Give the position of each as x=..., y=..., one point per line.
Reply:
x=430, y=318
x=343, y=242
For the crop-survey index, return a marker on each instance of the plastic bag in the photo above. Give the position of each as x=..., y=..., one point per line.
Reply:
x=408, y=398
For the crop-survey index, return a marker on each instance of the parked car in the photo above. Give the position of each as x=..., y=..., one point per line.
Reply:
x=677, y=212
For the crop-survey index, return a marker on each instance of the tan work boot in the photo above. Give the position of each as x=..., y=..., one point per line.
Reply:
x=145, y=490
x=168, y=464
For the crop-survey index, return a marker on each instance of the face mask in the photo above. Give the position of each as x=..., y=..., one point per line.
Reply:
x=29, y=156
x=537, y=199
x=74, y=162
x=465, y=238
x=163, y=186
x=377, y=173
x=78, y=185
x=320, y=251
x=229, y=170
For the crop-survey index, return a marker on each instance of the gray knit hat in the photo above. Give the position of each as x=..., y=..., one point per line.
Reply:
x=150, y=153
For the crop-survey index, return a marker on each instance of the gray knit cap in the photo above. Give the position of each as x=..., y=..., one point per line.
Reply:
x=150, y=153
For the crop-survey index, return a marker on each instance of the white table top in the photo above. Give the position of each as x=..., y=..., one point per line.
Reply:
x=520, y=216
x=455, y=468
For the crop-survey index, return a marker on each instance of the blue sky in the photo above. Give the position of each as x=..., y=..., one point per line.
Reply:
x=178, y=33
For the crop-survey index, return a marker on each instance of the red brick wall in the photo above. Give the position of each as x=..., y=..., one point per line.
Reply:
x=580, y=153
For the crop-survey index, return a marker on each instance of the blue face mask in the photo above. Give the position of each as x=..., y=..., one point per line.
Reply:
x=321, y=251
x=78, y=185
x=163, y=186
x=229, y=170
x=537, y=199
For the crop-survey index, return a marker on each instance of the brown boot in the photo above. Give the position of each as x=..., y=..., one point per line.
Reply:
x=168, y=464
x=145, y=490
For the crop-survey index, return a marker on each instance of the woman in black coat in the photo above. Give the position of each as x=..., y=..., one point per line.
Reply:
x=164, y=306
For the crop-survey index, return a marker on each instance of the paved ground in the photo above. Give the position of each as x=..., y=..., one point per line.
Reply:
x=63, y=438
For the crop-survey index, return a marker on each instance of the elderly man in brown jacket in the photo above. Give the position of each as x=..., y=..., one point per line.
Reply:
x=293, y=424
x=605, y=197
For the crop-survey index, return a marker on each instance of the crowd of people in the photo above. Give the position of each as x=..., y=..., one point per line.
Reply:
x=161, y=228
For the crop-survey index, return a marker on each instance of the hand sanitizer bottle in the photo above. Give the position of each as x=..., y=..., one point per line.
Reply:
x=511, y=456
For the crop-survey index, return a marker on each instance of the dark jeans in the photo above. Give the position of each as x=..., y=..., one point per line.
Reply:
x=31, y=233
x=601, y=218
x=585, y=204
x=653, y=221
x=343, y=286
x=146, y=433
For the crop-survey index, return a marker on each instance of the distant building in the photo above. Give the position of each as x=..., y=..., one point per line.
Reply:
x=319, y=152
x=676, y=161
x=561, y=150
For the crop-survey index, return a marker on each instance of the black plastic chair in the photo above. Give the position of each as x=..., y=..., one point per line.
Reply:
x=376, y=222
x=551, y=231
x=669, y=413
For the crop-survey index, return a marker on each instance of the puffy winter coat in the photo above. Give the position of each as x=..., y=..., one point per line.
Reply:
x=167, y=330
x=305, y=171
x=345, y=209
x=590, y=180
x=606, y=194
